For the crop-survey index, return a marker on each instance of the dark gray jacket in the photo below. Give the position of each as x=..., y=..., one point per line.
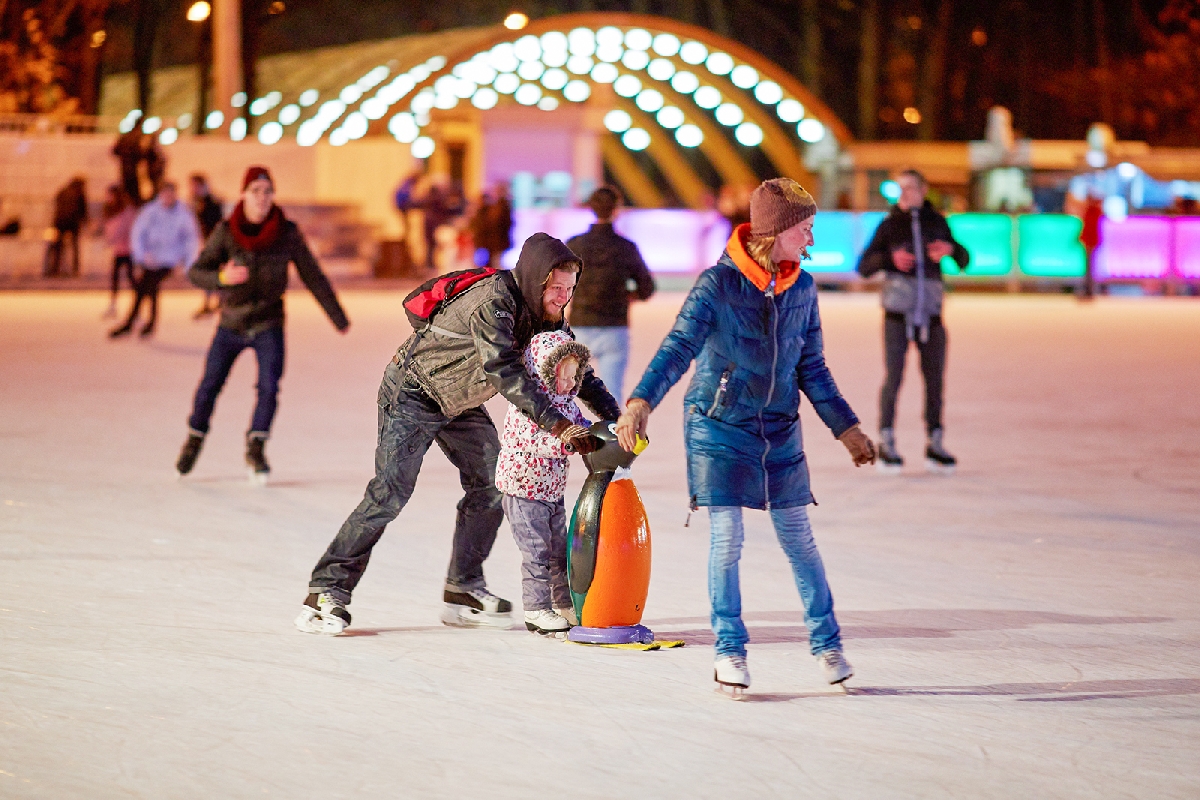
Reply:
x=610, y=262
x=474, y=349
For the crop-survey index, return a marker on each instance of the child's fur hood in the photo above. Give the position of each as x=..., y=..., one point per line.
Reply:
x=544, y=353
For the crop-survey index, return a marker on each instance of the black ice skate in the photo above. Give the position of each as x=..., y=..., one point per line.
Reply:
x=260, y=470
x=189, y=453
x=475, y=608
x=323, y=613
x=888, y=461
x=937, y=459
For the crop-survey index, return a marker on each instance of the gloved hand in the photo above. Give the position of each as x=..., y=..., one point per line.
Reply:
x=861, y=449
x=577, y=437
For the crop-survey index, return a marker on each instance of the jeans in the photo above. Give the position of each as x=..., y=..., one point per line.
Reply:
x=933, y=368
x=724, y=592
x=226, y=346
x=540, y=530
x=610, y=355
x=409, y=422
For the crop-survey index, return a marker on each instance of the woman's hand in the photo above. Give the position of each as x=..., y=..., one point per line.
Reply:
x=632, y=423
x=859, y=445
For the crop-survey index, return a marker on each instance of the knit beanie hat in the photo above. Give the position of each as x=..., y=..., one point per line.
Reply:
x=779, y=204
x=253, y=174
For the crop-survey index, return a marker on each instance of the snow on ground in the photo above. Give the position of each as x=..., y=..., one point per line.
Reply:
x=1028, y=628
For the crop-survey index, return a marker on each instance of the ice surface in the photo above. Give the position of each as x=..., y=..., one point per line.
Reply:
x=1027, y=628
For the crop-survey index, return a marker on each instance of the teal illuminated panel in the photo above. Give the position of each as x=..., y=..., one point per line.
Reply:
x=833, y=243
x=1049, y=246
x=988, y=238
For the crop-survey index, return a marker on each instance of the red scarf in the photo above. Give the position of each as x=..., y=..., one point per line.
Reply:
x=266, y=235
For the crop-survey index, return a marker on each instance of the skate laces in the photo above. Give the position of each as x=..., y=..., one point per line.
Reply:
x=737, y=662
x=833, y=658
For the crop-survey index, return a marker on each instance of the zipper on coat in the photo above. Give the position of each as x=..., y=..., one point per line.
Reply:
x=762, y=427
x=721, y=386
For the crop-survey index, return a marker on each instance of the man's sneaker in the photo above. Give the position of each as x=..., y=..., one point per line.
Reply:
x=834, y=665
x=732, y=676
x=189, y=453
x=475, y=608
x=888, y=461
x=568, y=614
x=323, y=613
x=937, y=459
x=546, y=622
x=256, y=459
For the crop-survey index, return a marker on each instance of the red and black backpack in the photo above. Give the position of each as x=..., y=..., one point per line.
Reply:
x=423, y=303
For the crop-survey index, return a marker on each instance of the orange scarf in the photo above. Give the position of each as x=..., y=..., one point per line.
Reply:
x=789, y=271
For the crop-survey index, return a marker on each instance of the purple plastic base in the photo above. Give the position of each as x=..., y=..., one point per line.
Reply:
x=626, y=634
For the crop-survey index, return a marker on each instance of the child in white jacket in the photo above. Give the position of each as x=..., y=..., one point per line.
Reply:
x=532, y=474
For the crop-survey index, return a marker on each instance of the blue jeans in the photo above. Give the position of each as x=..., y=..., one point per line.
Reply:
x=226, y=346
x=795, y=536
x=610, y=355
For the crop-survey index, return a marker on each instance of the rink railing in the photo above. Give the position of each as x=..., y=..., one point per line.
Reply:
x=1037, y=247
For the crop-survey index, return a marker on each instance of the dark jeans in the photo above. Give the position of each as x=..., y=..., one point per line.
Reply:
x=146, y=287
x=119, y=263
x=226, y=346
x=54, y=265
x=933, y=367
x=409, y=422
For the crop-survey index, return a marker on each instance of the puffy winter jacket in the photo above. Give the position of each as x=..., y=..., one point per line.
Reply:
x=756, y=341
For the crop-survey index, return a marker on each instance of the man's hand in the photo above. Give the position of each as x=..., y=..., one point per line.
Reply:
x=938, y=250
x=577, y=437
x=904, y=260
x=859, y=445
x=632, y=423
x=232, y=274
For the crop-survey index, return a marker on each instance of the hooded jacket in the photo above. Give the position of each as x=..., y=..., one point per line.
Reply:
x=477, y=348
x=533, y=463
x=756, y=340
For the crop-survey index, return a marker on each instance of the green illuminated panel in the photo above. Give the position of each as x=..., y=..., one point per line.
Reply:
x=988, y=238
x=1049, y=246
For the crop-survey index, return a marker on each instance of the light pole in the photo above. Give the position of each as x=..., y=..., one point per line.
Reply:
x=200, y=13
x=227, y=54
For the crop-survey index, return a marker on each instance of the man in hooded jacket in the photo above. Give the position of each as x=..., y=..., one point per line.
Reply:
x=433, y=391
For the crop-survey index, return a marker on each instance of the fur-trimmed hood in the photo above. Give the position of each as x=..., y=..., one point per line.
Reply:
x=544, y=353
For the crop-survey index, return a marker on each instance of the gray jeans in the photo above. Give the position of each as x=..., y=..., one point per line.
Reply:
x=409, y=422
x=540, y=529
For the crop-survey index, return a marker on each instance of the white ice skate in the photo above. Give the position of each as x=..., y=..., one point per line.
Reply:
x=323, y=613
x=732, y=677
x=835, y=667
x=475, y=608
x=568, y=614
x=547, y=623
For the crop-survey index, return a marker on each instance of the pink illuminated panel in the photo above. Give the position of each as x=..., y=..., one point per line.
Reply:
x=1138, y=247
x=1187, y=247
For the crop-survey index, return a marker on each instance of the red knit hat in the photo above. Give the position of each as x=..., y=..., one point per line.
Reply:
x=254, y=173
x=779, y=204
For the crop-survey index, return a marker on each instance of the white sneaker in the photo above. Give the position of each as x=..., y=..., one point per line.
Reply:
x=475, y=608
x=568, y=614
x=323, y=613
x=732, y=676
x=835, y=666
x=546, y=622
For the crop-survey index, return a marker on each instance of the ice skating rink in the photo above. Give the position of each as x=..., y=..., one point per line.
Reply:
x=1027, y=628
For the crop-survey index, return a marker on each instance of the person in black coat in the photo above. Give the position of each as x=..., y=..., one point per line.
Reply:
x=208, y=213
x=912, y=304
x=245, y=261
x=70, y=212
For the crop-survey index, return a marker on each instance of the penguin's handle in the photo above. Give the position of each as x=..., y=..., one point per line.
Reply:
x=611, y=456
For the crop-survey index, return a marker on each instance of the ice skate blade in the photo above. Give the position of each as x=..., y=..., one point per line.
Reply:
x=456, y=616
x=888, y=469
x=937, y=468
x=731, y=691
x=309, y=621
x=258, y=478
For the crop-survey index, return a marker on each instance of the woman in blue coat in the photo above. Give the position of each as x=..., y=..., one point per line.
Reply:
x=751, y=325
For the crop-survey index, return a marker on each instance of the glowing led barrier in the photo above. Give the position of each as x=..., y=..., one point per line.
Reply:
x=1048, y=246
x=1137, y=247
x=988, y=238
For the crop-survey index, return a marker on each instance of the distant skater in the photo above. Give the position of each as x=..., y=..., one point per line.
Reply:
x=615, y=276
x=245, y=261
x=208, y=213
x=912, y=306
x=164, y=236
x=752, y=327
x=117, y=219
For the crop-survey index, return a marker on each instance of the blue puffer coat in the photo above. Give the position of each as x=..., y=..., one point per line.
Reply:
x=755, y=353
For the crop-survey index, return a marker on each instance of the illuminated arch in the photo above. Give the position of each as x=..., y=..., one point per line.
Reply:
x=557, y=60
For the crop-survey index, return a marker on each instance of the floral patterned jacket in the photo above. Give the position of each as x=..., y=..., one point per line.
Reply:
x=533, y=463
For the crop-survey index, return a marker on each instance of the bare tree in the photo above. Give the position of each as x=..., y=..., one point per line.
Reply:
x=933, y=75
